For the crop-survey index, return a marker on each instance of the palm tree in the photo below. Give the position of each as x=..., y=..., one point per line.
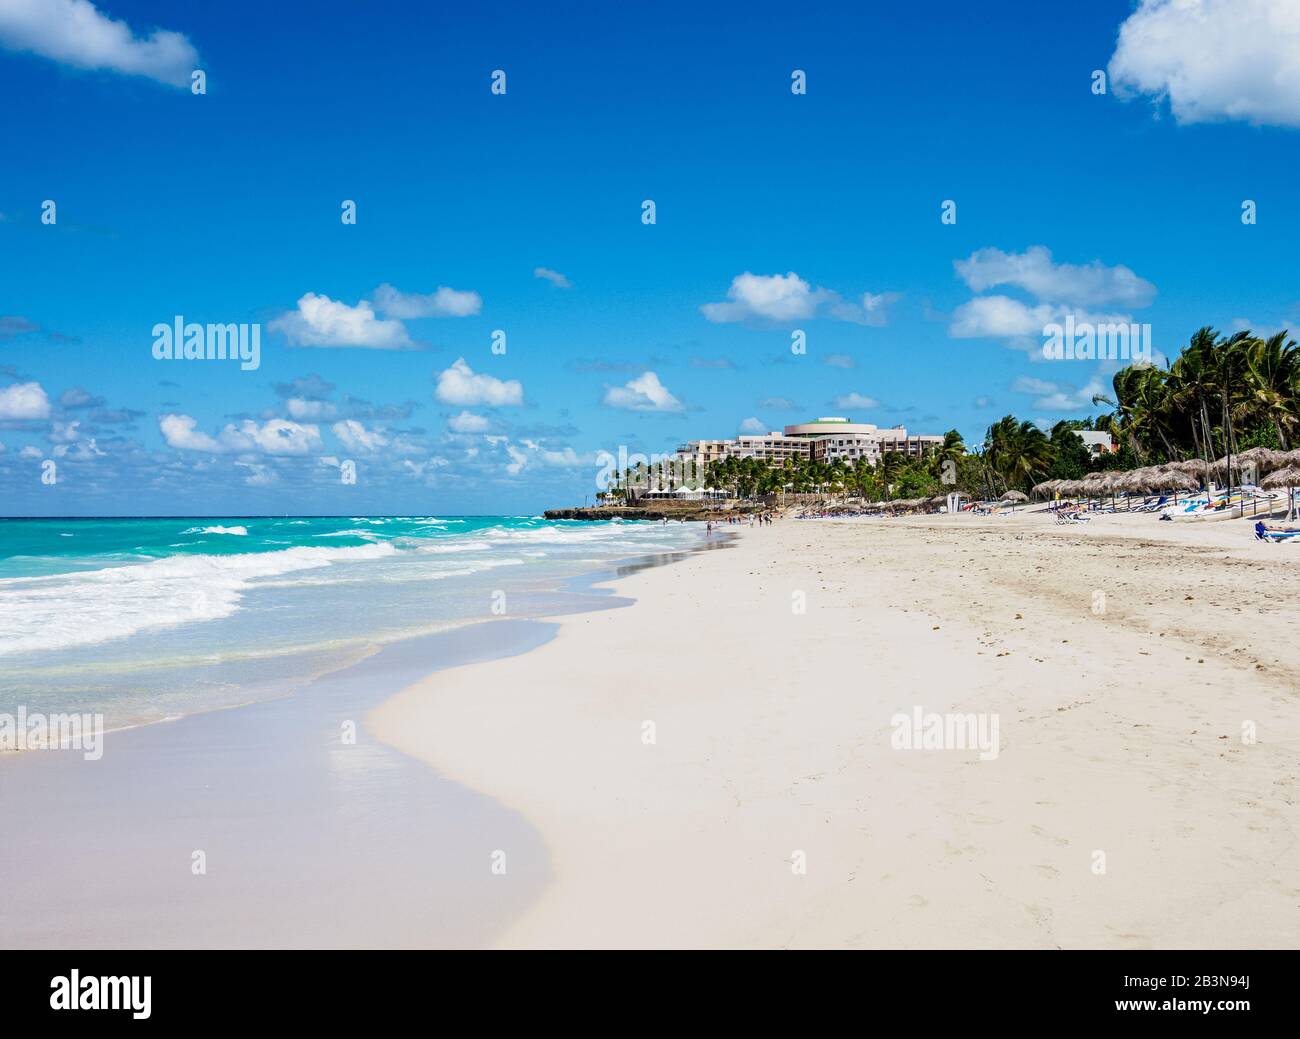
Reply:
x=1272, y=379
x=1018, y=452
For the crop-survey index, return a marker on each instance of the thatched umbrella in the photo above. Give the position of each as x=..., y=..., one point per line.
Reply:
x=1175, y=480
x=1197, y=467
x=1288, y=478
x=1014, y=496
x=1263, y=459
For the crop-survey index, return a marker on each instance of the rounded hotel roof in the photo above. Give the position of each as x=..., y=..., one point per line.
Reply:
x=828, y=426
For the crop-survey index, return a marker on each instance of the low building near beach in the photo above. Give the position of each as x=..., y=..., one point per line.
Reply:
x=1098, y=442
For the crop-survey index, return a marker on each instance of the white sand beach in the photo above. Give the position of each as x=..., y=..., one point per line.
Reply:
x=770, y=808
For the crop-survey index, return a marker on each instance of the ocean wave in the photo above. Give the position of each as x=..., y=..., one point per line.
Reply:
x=57, y=611
x=241, y=532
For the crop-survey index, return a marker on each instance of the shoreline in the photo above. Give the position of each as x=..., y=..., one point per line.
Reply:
x=772, y=742
x=308, y=840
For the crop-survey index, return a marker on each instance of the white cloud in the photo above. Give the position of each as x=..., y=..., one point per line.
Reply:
x=999, y=317
x=300, y=408
x=528, y=452
x=1051, y=396
x=258, y=475
x=442, y=302
x=31, y=451
x=65, y=432
x=1027, y=384
x=179, y=431
x=274, y=437
x=752, y=425
x=775, y=297
x=848, y=401
x=355, y=437
x=467, y=422
x=75, y=33
x=1213, y=59
x=1060, y=290
x=787, y=297
x=321, y=321
x=872, y=310
x=839, y=361
x=461, y=385
x=1035, y=272
x=644, y=393
x=24, y=400
x=1019, y=324
x=554, y=277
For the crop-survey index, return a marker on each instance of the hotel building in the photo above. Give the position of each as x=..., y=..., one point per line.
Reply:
x=821, y=440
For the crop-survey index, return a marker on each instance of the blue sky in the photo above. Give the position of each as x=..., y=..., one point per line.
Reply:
x=774, y=211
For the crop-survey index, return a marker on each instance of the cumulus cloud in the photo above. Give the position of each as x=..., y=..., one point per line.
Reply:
x=860, y=401
x=839, y=361
x=310, y=410
x=787, y=297
x=752, y=425
x=644, y=393
x=467, y=422
x=274, y=437
x=774, y=297
x=321, y=321
x=1034, y=271
x=180, y=431
x=1059, y=290
x=75, y=33
x=1213, y=59
x=1057, y=397
x=78, y=397
x=872, y=309
x=1020, y=324
x=522, y=454
x=24, y=400
x=554, y=277
x=462, y=386
x=355, y=437
x=442, y=302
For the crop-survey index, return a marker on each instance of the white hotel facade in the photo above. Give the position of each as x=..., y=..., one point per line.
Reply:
x=821, y=440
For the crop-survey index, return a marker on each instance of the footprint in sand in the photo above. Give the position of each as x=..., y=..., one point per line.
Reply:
x=1038, y=831
x=1050, y=872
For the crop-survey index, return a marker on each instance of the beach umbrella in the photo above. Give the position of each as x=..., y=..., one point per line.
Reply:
x=1136, y=482
x=1263, y=459
x=1175, y=480
x=1197, y=467
x=1014, y=496
x=1288, y=478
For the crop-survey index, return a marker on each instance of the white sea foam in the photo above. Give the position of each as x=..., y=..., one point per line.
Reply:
x=76, y=609
x=241, y=532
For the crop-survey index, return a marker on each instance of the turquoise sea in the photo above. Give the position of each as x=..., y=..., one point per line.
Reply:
x=148, y=619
